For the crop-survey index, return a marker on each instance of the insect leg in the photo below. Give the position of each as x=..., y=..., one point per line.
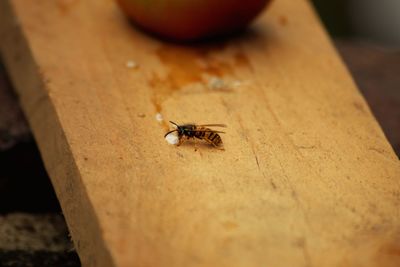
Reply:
x=181, y=140
x=219, y=147
x=212, y=143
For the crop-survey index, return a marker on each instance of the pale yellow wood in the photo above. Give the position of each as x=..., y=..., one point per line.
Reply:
x=307, y=177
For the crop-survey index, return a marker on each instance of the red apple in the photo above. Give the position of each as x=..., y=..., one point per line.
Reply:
x=192, y=19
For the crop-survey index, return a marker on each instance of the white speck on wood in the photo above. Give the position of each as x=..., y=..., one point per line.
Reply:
x=159, y=117
x=130, y=64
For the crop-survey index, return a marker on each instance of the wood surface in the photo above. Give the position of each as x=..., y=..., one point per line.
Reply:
x=307, y=177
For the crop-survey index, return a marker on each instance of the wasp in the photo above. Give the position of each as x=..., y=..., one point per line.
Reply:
x=202, y=132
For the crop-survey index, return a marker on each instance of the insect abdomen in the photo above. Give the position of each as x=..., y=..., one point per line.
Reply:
x=214, y=138
x=209, y=136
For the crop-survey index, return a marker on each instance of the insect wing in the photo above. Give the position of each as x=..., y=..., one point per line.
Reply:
x=209, y=131
x=212, y=125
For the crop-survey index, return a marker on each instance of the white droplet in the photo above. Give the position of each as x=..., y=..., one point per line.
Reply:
x=172, y=139
x=130, y=64
x=236, y=84
x=216, y=83
x=159, y=117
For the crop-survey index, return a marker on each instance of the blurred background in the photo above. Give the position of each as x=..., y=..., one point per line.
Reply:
x=373, y=21
x=33, y=232
x=367, y=36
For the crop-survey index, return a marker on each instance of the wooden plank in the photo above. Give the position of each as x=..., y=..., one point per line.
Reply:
x=307, y=177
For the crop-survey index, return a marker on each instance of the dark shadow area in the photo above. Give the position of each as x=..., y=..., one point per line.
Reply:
x=21, y=258
x=335, y=16
x=369, y=20
x=24, y=184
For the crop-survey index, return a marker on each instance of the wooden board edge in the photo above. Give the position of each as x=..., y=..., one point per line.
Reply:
x=53, y=145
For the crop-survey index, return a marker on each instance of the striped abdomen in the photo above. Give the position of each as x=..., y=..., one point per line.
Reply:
x=208, y=135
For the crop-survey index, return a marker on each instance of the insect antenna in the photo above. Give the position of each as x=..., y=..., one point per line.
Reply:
x=170, y=132
x=174, y=123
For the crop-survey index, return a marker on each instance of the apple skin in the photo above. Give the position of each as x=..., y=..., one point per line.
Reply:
x=188, y=20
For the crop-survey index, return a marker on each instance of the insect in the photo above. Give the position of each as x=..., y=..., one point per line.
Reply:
x=193, y=131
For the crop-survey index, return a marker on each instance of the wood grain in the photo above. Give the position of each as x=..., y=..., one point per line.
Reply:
x=307, y=177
